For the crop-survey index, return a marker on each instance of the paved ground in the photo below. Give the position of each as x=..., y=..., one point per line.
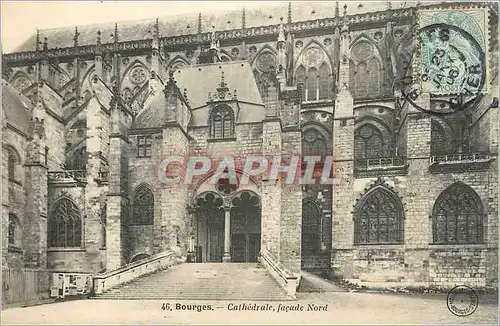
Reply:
x=341, y=308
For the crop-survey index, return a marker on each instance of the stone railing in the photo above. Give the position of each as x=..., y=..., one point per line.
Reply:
x=380, y=162
x=285, y=278
x=459, y=158
x=67, y=176
x=379, y=17
x=108, y=280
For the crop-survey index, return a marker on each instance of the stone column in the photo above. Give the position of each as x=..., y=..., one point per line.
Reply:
x=35, y=220
x=227, y=234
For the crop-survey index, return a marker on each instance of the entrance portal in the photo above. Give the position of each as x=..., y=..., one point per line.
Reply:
x=239, y=220
x=209, y=228
x=245, y=227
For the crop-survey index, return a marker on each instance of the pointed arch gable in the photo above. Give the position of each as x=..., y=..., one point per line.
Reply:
x=379, y=123
x=20, y=75
x=177, y=58
x=365, y=37
x=87, y=74
x=226, y=54
x=15, y=152
x=316, y=125
x=265, y=48
x=132, y=65
x=315, y=43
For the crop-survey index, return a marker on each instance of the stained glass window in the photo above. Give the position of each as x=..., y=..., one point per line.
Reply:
x=325, y=82
x=144, y=146
x=368, y=142
x=361, y=80
x=222, y=123
x=373, y=76
x=143, y=207
x=312, y=84
x=65, y=225
x=458, y=216
x=379, y=218
x=318, y=84
x=313, y=142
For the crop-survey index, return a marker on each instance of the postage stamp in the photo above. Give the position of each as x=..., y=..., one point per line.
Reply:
x=453, y=50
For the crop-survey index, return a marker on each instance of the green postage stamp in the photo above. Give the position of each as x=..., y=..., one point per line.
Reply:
x=453, y=46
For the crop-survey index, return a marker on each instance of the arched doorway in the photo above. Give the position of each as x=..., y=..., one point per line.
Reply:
x=317, y=204
x=245, y=227
x=209, y=228
x=226, y=224
x=312, y=223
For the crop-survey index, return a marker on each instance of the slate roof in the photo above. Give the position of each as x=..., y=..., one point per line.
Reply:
x=17, y=108
x=186, y=24
x=203, y=79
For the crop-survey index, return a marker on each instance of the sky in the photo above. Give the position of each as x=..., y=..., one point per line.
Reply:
x=20, y=19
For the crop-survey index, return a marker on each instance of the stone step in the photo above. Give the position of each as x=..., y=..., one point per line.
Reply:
x=207, y=281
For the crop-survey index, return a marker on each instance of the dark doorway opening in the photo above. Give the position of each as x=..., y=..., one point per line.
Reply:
x=245, y=228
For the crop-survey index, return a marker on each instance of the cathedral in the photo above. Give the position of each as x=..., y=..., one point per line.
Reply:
x=90, y=112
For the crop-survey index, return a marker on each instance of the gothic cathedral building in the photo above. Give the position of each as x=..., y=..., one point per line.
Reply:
x=89, y=113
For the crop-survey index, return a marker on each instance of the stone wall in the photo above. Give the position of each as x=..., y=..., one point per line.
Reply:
x=271, y=191
x=13, y=197
x=291, y=204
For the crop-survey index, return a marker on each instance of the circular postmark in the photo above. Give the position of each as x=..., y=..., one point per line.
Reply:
x=451, y=69
x=462, y=301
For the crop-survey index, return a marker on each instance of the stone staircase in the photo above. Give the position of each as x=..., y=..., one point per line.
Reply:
x=207, y=281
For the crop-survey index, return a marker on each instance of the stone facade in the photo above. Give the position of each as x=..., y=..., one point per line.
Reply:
x=89, y=124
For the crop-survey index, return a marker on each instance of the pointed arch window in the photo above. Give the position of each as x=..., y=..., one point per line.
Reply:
x=65, y=225
x=379, y=218
x=222, y=123
x=325, y=82
x=12, y=162
x=312, y=84
x=361, y=80
x=374, y=76
x=313, y=142
x=143, y=207
x=365, y=70
x=316, y=74
x=14, y=231
x=368, y=142
x=457, y=216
